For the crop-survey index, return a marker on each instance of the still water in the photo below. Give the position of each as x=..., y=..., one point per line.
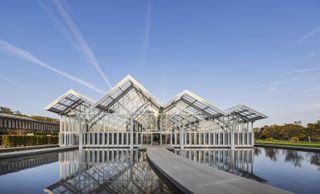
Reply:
x=125, y=171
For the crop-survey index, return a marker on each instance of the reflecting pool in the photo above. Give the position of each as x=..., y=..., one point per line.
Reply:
x=127, y=171
x=88, y=171
x=292, y=170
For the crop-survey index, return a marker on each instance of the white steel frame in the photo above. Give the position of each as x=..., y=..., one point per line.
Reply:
x=130, y=116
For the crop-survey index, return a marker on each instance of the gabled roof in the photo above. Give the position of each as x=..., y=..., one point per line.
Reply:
x=185, y=102
x=121, y=88
x=67, y=102
x=195, y=101
x=245, y=113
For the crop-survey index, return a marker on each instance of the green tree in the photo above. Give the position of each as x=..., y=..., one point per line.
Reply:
x=5, y=110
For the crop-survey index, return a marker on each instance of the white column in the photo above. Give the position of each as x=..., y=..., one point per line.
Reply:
x=181, y=138
x=65, y=130
x=98, y=138
x=214, y=138
x=224, y=138
x=238, y=138
x=252, y=135
x=243, y=133
x=103, y=138
x=122, y=138
x=137, y=138
x=60, y=134
x=131, y=133
x=175, y=138
x=117, y=138
x=232, y=138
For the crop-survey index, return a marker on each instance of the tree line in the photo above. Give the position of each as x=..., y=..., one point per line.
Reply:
x=290, y=132
x=7, y=110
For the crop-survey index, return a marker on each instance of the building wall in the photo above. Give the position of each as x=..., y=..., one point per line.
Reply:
x=15, y=123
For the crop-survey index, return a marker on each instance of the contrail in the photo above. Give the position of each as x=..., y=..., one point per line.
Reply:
x=146, y=39
x=308, y=35
x=67, y=25
x=23, y=54
x=276, y=84
x=12, y=82
x=300, y=71
x=146, y=34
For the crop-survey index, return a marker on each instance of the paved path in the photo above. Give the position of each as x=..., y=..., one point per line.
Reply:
x=34, y=151
x=190, y=177
x=307, y=149
x=165, y=146
x=13, y=149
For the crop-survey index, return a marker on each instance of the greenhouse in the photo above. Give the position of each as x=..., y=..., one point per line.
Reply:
x=129, y=116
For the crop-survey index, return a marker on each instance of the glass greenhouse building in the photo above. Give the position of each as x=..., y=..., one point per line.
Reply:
x=129, y=116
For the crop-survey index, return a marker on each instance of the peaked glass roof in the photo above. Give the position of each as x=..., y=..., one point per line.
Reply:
x=245, y=113
x=129, y=99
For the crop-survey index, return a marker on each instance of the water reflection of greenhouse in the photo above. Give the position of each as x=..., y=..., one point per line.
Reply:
x=127, y=171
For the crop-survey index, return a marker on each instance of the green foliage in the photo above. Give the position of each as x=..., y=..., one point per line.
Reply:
x=18, y=113
x=290, y=132
x=315, y=125
x=24, y=140
x=270, y=139
x=5, y=110
x=45, y=119
x=294, y=139
x=290, y=143
x=25, y=132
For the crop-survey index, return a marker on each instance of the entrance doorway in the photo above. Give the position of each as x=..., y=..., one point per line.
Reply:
x=156, y=139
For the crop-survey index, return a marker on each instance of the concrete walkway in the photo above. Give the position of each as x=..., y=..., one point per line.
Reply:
x=13, y=149
x=34, y=151
x=190, y=177
x=301, y=148
x=164, y=146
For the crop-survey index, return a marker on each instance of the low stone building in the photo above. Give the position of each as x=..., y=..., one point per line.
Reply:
x=14, y=122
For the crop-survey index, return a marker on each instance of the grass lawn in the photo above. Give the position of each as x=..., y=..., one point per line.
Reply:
x=289, y=143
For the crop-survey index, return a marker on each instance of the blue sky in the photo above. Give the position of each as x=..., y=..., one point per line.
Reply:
x=264, y=54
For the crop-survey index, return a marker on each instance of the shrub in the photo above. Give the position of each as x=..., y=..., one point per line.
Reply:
x=270, y=139
x=294, y=139
x=22, y=140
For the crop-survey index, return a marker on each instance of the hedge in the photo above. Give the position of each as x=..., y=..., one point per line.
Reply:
x=24, y=140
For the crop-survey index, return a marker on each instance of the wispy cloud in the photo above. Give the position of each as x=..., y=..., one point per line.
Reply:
x=307, y=76
x=300, y=71
x=23, y=54
x=275, y=85
x=12, y=82
x=146, y=39
x=70, y=29
x=308, y=35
